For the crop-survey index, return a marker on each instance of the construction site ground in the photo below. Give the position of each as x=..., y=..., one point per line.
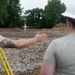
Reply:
x=28, y=61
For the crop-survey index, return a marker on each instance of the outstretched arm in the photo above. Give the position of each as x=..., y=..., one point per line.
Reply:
x=9, y=43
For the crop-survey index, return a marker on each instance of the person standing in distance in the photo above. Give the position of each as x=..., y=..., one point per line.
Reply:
x=25, y=28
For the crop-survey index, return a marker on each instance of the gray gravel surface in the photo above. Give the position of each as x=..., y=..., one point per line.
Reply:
x=24, y=60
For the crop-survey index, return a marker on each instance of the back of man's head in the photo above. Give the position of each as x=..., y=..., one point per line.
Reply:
x=72, y=22
x=70, y=13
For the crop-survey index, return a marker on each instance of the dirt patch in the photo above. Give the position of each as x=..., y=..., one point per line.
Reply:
x=36, y=71
x=57, y=28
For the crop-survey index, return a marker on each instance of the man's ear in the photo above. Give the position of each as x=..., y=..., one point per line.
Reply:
x=69, y=24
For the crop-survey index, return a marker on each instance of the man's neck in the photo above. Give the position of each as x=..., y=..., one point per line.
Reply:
x=72, y=31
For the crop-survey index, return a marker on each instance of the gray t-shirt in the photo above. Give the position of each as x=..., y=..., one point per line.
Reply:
x=1, y=38
x=61, y=52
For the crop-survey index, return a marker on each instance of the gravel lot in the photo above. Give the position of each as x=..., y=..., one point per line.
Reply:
x=27, y=61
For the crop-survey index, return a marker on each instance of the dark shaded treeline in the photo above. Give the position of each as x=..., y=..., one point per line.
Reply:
x=10, y=14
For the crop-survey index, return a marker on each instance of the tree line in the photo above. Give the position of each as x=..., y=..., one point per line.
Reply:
x=11, y=14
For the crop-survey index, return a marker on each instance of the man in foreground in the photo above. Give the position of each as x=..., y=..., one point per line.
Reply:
x=59, y=58
x=9, y=43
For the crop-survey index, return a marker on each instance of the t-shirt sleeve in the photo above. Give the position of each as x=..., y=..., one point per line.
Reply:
x=50, y=53
x=2, y=38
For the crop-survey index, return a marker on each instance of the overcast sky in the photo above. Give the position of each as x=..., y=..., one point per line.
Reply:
x=30, y=4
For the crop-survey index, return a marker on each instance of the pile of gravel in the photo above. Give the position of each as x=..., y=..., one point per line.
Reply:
x=24, y=60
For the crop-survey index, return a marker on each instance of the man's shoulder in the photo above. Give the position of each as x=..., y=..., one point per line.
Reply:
x=61, y=39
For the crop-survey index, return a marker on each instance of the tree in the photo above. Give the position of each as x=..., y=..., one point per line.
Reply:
x=14, y=10
x=53, y=11
x=3, y=11
x=35, y=18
